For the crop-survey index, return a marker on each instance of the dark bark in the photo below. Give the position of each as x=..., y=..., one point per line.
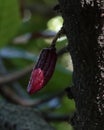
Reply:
x=84, y=27
x=15, y=117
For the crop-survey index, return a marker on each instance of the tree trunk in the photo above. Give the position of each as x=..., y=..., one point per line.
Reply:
x=84, y=27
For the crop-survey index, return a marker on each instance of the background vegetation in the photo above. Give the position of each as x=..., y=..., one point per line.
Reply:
x=26, y=27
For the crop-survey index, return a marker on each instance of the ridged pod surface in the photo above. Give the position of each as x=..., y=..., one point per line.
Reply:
x=43, y=70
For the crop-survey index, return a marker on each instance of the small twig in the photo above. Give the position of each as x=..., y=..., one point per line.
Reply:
x=62, y=51
x=61, y=31
x=16, y=75
x=16, y=86
x=55, y=117
x=11, y=96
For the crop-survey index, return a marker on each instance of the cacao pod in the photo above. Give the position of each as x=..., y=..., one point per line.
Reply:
x=43, y=70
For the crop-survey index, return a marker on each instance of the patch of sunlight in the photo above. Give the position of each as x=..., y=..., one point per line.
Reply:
x=55, y=23
x=62, y=38
x=27, y=16
x=49, y=40
x=67, y=62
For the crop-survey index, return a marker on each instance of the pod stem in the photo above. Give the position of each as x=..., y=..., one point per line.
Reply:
x=59, y=33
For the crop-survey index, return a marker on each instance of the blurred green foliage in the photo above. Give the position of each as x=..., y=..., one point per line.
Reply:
x=63, y=126
x=9, y=20
x=19, y=50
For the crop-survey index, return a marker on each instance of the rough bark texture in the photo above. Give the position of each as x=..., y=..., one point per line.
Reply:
x=15, y=117
x=84, y=26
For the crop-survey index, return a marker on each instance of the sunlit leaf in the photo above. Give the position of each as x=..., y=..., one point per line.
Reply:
x=55, y=23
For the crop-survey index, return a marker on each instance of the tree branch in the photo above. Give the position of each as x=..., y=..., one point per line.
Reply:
x=16, y=75
x=12, y=97
x=56, y=118
x=62, y=51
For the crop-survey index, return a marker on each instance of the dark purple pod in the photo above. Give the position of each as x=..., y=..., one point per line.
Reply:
x=43, y=70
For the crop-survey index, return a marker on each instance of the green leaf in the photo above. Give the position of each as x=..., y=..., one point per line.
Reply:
x=9, y=20
x=63, y=126
x=67, y=106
